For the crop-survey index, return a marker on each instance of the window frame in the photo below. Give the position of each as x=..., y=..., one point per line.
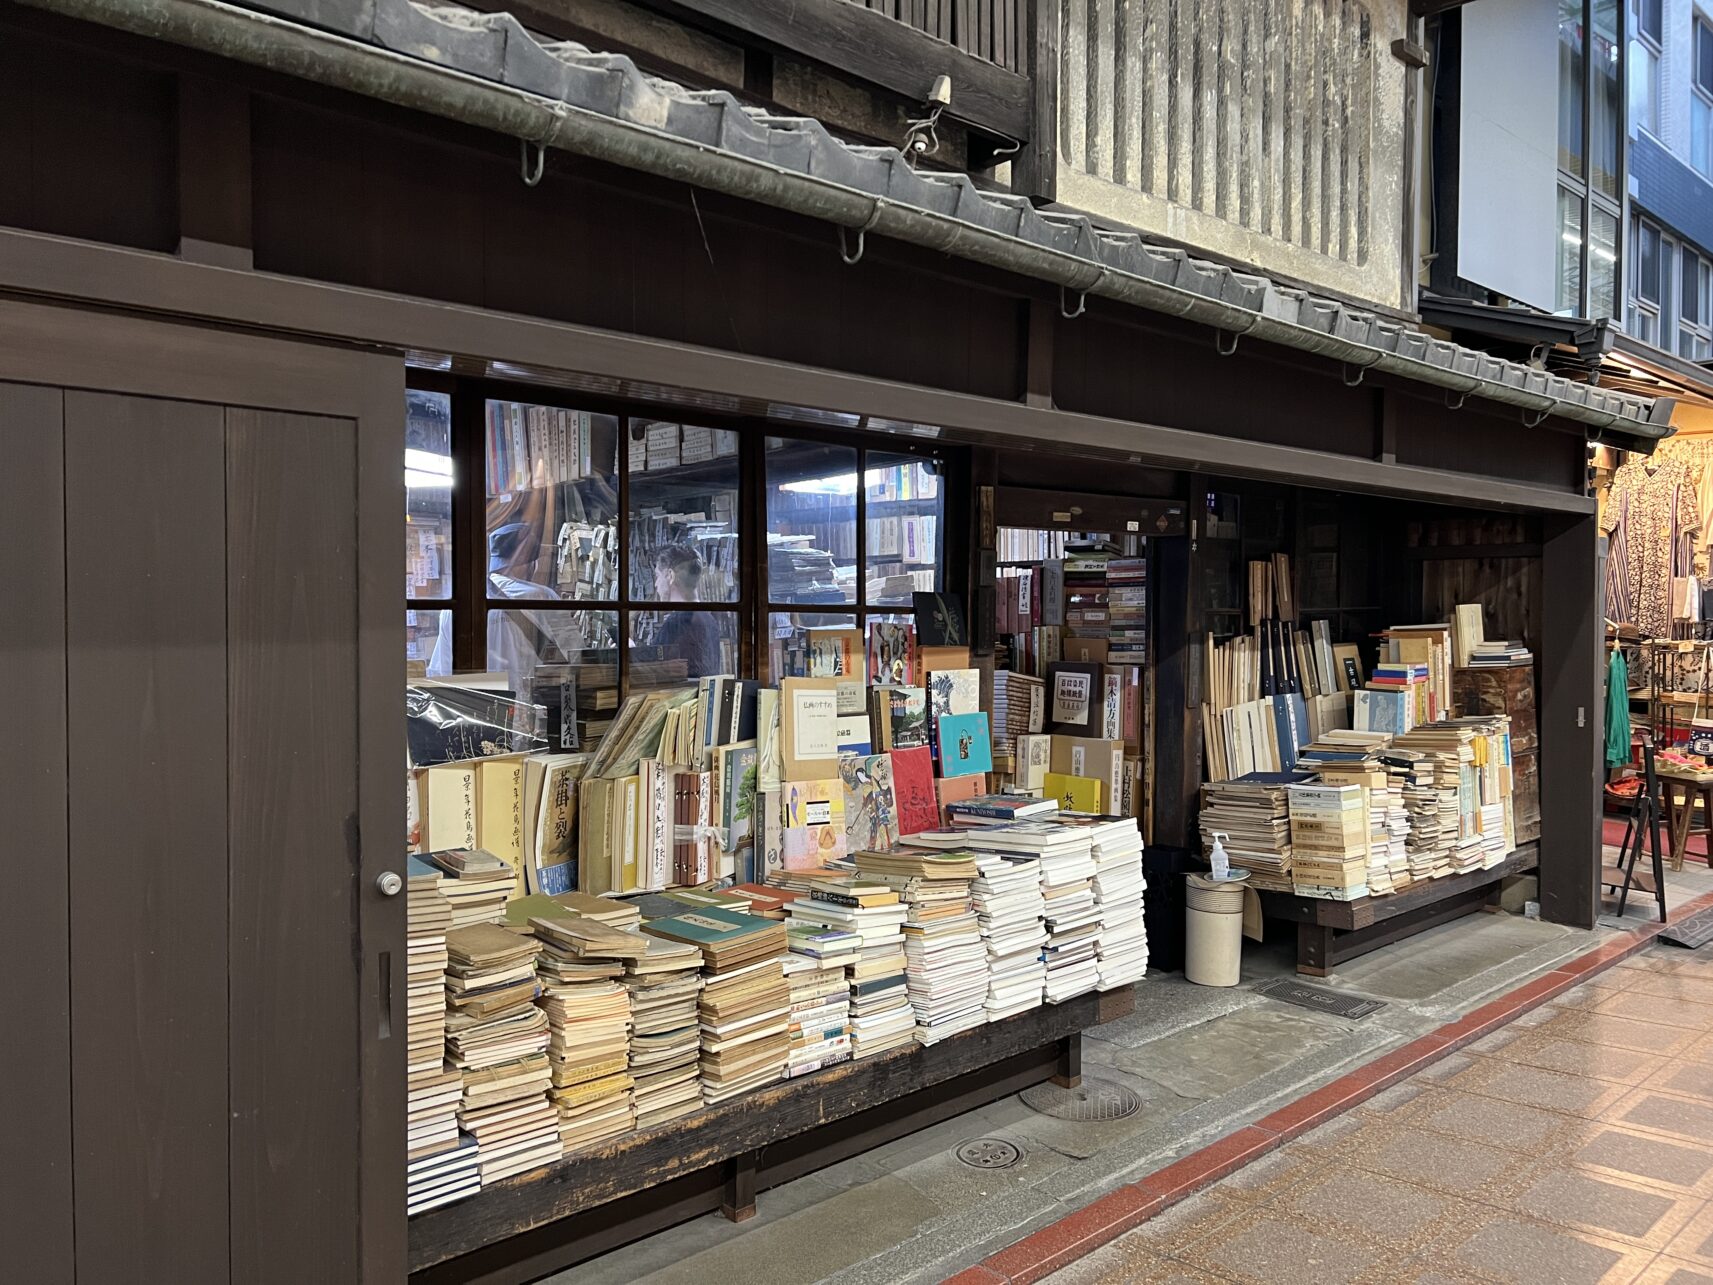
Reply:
x=471, y=602
x=1653, y=44
x=1700, y=90
x=1583, y=188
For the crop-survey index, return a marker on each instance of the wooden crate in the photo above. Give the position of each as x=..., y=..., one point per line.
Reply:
x=1500, y=691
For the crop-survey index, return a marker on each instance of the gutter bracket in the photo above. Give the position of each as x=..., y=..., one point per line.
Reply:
x=851, y=260
x=1539, y=416
x=1361, y=374
x=533, y=162
x=1455, y=405
x=1225, y=342
x=1082, y=305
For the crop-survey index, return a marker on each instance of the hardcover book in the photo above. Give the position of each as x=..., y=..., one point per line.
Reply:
x=940, y=620
x=814, y=826
x=913, y=789
x=892, y=652
x=871, y=808
x=1073, y=690
x=965, y=745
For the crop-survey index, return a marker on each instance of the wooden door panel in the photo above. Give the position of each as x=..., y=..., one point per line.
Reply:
x=145, y=519
x=35, y=1059
x=291, y=627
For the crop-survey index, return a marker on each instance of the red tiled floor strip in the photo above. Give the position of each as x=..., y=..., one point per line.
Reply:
x=1043, y=1252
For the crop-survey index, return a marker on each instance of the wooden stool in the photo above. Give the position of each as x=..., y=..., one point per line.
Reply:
x=1682, y=792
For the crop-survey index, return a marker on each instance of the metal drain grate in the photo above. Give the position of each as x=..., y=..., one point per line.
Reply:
x=1694, y=932
x=1319, y=998
x=989, y=1153
x=1092, y=1100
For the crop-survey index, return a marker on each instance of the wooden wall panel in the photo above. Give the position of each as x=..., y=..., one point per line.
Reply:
x=35, y=1055
x=1508, y=589
x=291, y=618
x=146, y=634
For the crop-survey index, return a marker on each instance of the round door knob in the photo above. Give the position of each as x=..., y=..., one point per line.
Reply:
x=389, y=884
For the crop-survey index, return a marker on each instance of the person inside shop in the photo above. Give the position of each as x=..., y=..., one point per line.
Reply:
x=515, y=638
x=691, y=636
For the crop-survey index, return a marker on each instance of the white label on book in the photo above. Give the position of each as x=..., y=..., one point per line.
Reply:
x=818, y=812
x=1070, y=698
x=1079, y=756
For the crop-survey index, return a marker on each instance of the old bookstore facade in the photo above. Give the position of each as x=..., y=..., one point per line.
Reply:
x=251, y=298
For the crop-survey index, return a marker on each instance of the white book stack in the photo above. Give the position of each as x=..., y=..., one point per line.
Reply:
x=880, y=1014
x=1008, y=907
x=433, y=1089
x=947, y=966
x=1069, y=907
x=443, y=1177
x=1122, y=946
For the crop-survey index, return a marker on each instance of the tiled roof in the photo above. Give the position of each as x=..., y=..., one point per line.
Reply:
x=799, y=158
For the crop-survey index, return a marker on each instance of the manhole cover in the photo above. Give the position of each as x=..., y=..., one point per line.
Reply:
x=1319, y=998
x=1694, y=932
x=989, y=1153
x=1091, y=1100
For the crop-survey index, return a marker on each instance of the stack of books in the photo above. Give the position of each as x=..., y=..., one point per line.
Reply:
x=1019, y=706
x=589, y=1018
x=946, y=961
x=433, y=1088
x=1072, y=914
x=820, y=1028
x=666, y=1038
x=1127, y=608
x=477, y=884
x=1253, y=813
x=1499, y=655
x=497, y=1038
x=998, y=809
x=610, y=911
x=447, y=1175
x=1329, y=841
x=745, y=1004
x=1122, y=946
x=1008, y=906
x=1432, y=799
x=1388, y=822
x=872, y=913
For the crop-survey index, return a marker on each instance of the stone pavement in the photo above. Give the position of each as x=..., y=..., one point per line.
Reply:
x=1574, y=1145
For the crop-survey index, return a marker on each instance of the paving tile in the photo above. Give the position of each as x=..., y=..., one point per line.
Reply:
x=1529, y=1253
x=1667, y=1010
x=1608, y=1030
x=1510, y=1125
x=1063, y=1242
x=1648, y=1158
x=1336, y=1135
x=1674, y=1271
x=1694, y=1244
x=1404, y=1098
x=1286, y=1168
x=1448, y=1067
x=1452, y=1165
x=1275, y=1249
x=1689, y=1078
x=1623, y=1066
x=1209, y=1164
x=1179, y=1226
x=1601, y=1204
x=1225, y=1055
x=1687, y=1118
x=1372, y=1206
x=1535, y=1086
x=1697, y=987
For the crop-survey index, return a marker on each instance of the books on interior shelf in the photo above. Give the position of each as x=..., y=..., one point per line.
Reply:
x=1007, y=899
x=1499, y=655
x=665, y=986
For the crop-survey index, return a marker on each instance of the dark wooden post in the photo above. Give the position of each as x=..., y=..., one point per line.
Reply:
x=1572, y=721
x=1070, y=1072
x=1035, y=172
x=738, y=1202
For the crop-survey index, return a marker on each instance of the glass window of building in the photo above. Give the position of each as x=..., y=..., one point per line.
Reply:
x=1572, y=82
x=1602, y=262
x=1569, y=252
x=1606, y=106
x=1701, y=100
x=1645, y=30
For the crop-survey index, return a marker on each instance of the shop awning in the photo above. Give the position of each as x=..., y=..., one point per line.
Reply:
x=487, y=70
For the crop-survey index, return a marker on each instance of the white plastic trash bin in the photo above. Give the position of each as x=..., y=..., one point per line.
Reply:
x=1213, y=937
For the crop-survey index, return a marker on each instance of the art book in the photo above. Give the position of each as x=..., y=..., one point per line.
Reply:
x=913, y=788
x=966, y=747
x=1074, y=793
x=953, y=691
x=835, y=653
x=814, y=823
x=892, y=652
x=809, y=728
x=871, y=808
x=1073, y=690
x=900, y=717
x=1034, y=758
x=737, y=776
x=940, y=619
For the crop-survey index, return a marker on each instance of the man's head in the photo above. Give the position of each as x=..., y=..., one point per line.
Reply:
x=677, y=574
x=505, y=544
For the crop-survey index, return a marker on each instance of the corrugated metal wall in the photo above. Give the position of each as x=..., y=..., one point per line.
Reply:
x=1257, y=112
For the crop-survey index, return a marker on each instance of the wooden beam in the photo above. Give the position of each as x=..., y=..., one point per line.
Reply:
x=1035, y=171
x=1572, y=747
x=869, y=46
x=214, y=172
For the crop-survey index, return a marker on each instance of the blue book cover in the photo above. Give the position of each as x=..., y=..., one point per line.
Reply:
x=966, y=749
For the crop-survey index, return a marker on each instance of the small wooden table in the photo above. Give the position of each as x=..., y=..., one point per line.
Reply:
x=1683, y=789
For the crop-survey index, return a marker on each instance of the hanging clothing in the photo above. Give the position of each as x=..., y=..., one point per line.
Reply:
x=1617, y=710
x=1653, y=517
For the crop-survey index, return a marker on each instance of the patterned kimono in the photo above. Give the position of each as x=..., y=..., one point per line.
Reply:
x=1653, y=516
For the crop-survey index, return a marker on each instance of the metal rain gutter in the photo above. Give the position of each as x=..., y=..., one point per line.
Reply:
x=327, y=58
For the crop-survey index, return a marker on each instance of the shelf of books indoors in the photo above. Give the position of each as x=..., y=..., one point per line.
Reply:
x=1337, y=778
x=732, y=888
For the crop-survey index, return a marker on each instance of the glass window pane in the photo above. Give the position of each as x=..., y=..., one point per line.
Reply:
x=1704, y=56
x=1701, y=134
x=811, y=522
x=553, y=499
x=789, y=638
x=1648, y=17
x=1569, y=253
x=541, y=651
x=1691, y=295
x=683, y=513
x=1647, y=262
x=1644, y=87
x=1603, y=264
x=1667, y=289
x=427, y=495
x=906, y=511
x=1606, y=119
x=425, y=655
x=672, y=646
x=1571, y=80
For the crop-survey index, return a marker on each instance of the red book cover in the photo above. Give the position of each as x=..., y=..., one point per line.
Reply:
x=953, y=789
x=913, y=790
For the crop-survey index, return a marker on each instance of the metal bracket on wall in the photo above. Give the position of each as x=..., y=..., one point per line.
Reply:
x=1361, y=374
x=534, y=161
x=1225, y=342
x=851, y=260
x=1082, y=304
x=1457, y=404
x=1533, y=422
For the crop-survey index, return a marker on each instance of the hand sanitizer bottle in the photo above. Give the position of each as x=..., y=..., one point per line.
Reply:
x=1217, y=859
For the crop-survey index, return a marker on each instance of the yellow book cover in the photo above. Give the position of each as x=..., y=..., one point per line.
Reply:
x=499, y=813
x=1074, y=793
x=633, y=830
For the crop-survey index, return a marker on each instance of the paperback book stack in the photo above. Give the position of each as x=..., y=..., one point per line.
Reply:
x=946, y=962
x=820, y=1028
x=745, y=1005
x=441, y=1165
x=1432, y=800
x=1069, y=907
x=665, y=985
x=1019, y=705
x=1499, y=655
x=1329, y=841
x=1008, y=906
x=589, y=1021
x=1122, y=947
x=497, y=1038
x=1388, y=822
x=1253, y=813
x=870, y=911
x=477, y=884
x=1127, y=605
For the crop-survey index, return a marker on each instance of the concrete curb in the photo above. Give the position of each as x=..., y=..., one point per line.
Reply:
x=1062, y=1243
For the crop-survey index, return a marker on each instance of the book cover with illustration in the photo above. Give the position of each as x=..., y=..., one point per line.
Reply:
x=913, y=789
x=965, y=745
x=871, y=808
x=892, y=652
x=814, y=822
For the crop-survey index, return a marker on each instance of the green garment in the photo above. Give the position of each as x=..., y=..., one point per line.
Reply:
x=1617, y=710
